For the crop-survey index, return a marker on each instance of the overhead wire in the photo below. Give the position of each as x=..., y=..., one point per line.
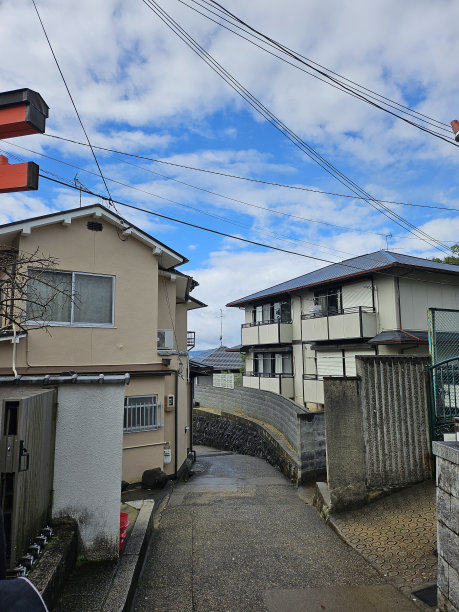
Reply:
x=232, y=236
x=282, y=237
x=246, y=178
x=243, y=202
x=289, y=134
x=354, y=89
x=71, y=97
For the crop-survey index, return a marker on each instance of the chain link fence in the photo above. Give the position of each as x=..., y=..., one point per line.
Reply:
x=443, y=325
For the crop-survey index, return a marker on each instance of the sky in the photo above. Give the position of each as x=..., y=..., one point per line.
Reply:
x=139, y=89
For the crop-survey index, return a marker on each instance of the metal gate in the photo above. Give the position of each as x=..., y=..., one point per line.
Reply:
x=443, y=325
x=27, y=434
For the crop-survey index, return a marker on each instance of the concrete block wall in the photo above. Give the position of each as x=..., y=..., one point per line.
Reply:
x=312, y=448
x=304, y=430
x=270, y=407
x=447, y=454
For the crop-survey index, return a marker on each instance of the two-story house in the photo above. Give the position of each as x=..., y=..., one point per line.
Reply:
x=299, y=331
x=121, y=308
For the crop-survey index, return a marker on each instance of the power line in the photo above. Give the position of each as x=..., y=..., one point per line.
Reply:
x=287, y=132
x=358, y=91
x=238, y=238
x=71, y=98
x=257, y=206
x=281, y=237
x=246, y=178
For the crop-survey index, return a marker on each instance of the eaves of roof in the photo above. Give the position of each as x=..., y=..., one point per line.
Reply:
x=384, y=260
x=28, y=224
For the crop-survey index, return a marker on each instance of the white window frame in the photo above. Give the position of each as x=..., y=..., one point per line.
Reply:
x=154, y=403
x=72, y=323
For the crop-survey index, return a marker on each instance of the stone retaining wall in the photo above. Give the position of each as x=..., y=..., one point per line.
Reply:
x=448, y=524
x=272, y=408
x=232, y=432
x=243, y=435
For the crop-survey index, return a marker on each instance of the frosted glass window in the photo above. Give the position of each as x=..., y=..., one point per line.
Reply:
x=48, y=296
x=93, y=299
x=69, y=298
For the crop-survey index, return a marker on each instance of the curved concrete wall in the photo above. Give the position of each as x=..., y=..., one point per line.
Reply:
x=232, y=432
x=303, y=430
x=270, y=407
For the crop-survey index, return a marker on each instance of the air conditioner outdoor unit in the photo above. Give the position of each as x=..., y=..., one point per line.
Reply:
x=165, y=339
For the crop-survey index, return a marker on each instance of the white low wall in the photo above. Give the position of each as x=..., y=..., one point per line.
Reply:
x=87, y=470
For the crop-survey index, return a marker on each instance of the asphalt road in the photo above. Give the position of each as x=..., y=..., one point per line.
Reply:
x=238, y=537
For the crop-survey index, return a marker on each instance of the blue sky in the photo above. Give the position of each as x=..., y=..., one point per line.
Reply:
x=139, y=89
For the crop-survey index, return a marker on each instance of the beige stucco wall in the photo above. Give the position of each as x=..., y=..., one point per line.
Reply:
x=132, y=339
x=140, y=308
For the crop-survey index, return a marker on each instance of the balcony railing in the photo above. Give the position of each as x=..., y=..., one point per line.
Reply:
x=276, y=383
x=266, y=322
x=268, y=375
x=335, y=312
x=190, y=340
x=267, y=332
x=355, y=322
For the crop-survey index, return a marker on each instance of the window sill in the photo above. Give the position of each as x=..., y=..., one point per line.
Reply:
x=74, y=325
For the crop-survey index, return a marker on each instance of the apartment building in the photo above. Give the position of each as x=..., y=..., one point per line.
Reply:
x=301, y=330
x=117, y=304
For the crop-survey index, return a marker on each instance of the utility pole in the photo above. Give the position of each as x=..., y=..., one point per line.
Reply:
x=221, y=315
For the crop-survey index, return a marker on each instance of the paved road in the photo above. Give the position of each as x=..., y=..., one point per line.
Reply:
x=237, y=537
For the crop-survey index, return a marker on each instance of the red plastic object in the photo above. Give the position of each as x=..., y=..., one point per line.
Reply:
x=124, y=523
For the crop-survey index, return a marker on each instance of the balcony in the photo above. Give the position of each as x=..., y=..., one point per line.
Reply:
x=190, y=340
x=266, y=332
x=357, y=322
x=282, y=384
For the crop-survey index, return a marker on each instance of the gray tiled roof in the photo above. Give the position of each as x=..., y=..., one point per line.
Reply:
x=220, y=359
x=349, y=267
x=400, y=336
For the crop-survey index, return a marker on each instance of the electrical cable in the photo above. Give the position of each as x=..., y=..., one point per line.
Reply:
x=238, y=238
x=257, y=206
x=246, y=178
x=70, y=96
x=324, y=72
x=281, y=237
x=289, y=134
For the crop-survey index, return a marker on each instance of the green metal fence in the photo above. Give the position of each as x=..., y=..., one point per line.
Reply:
x=443, y=325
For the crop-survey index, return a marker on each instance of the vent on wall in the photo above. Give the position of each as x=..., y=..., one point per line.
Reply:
x=95, y=226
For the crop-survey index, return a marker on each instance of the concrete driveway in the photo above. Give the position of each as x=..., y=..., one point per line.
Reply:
x=237, y=536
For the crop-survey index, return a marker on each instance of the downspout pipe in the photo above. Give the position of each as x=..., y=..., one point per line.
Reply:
x=176, y=426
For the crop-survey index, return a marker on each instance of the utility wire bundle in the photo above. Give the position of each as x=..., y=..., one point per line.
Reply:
x=296, y=140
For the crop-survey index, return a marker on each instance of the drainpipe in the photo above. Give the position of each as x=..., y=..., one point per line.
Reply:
x=176, y=425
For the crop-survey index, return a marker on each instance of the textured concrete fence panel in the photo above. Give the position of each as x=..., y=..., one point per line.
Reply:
x=395, y=420
x=377, y=429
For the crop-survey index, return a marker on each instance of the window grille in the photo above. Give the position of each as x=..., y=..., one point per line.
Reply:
x=142, y=413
